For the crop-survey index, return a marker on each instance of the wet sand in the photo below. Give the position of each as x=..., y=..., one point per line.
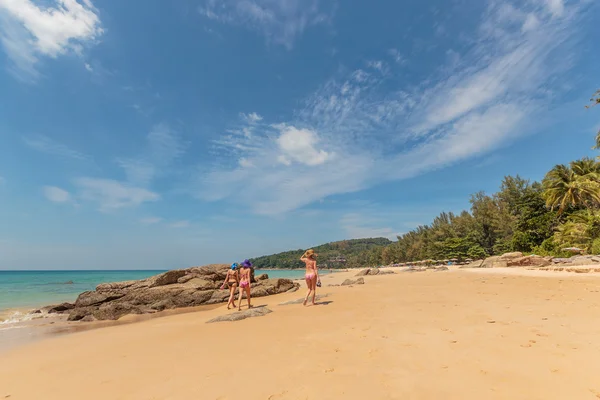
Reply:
x=459, y=334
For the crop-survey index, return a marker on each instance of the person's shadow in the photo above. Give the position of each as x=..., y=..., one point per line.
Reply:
x=323, y=303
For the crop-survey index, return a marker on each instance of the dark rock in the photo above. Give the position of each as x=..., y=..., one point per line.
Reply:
x=88, y=318
x=348, y=282
x=529, y=261
x=167, y=278
x=262, y=277
x=60, y=308
x=79, y=313
x=374, y=271
x=239, y=315
x=442, y=269
x=86, y=299
x=68, y=283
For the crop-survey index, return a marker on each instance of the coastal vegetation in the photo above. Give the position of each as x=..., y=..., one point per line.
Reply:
x=334, y=255
x=544, y=218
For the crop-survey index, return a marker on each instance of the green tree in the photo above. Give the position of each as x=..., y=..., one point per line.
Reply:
x=571, y=186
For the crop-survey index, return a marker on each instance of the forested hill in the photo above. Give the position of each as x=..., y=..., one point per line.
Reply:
x=331, y=255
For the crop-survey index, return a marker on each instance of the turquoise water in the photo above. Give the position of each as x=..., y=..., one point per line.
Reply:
x=29, y=289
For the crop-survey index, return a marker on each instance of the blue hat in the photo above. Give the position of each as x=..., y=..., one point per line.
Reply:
x=234, y=265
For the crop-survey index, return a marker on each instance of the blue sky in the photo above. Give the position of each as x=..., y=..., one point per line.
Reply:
x=166, y=134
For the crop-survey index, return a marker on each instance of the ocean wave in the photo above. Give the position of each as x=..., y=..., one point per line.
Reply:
x=16, y=317
x=19, y=317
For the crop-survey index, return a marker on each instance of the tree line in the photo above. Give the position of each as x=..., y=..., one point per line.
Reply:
x=534, y=217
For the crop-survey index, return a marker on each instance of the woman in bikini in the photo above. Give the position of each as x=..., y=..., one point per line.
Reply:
x=232, y=279
x=245, y=277
x=312, y=274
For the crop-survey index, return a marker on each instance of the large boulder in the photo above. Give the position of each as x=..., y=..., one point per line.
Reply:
x=348, y=282
x=529, y=261
x=172, y=289
x=494, y=262
x=511, y=256
x=368, y=271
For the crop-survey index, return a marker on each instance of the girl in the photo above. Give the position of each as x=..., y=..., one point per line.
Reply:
x=312, y=274
x=245, y=277
x=232, y=279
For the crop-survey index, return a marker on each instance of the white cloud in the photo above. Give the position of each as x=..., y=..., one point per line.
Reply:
x=47, y=145
x=396, y=56
x=299, y=145
x=180, y=224
x=251, y=118
x=354, y=136
x=150, y=220
x=28, y=31
x=555, y=7
x=280, y=21
x=89, y=67
x=56, y=194
x=163, y=147
x=112, y=195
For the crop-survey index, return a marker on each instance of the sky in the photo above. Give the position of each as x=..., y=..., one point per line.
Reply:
x=155, y=135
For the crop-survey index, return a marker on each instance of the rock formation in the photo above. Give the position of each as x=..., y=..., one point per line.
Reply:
x=172, y=289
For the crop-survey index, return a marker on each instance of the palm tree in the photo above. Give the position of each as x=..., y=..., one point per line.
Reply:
x=574, y=185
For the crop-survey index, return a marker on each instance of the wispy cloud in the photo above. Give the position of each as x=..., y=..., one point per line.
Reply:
x=28, y=31
x=56, y=194
x=112, y=195
x=47, y=145
x=483, y=99
x=280, y=21
x=163, y=146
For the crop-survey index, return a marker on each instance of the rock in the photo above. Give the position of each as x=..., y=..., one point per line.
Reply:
x=495, y=262
x=474, y=264
x=363, y=272
x=79, y=313
x=374, y=271
x=415, y=269
x=201, y=284
x=86, y=299
x=262, y=277
x=88, y=318
x=442, y=269
x=173, y=289
x=59, y=308
x=239, y=315
x=68, y=283
x=386, y=272
x=510, y=256
x=294, y=289
x=529, y=261
x=115, y=286
x=167, y=278
x=348, y=282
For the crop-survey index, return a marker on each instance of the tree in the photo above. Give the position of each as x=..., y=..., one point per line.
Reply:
x=563, y=187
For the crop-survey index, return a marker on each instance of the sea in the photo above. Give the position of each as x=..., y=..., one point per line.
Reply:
x=24, y=291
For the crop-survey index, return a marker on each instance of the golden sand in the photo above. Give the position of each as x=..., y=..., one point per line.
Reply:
x=426, y=335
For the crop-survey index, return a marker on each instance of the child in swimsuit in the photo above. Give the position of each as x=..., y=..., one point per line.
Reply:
x=312, y=274
x=231, y=279
x=245, y=276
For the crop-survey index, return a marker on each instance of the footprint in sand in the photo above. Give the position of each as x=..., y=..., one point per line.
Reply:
x=529, y=344
x=277, y=395
x=329, y=370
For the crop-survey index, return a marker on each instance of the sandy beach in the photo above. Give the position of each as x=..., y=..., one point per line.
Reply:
x=429, y=335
